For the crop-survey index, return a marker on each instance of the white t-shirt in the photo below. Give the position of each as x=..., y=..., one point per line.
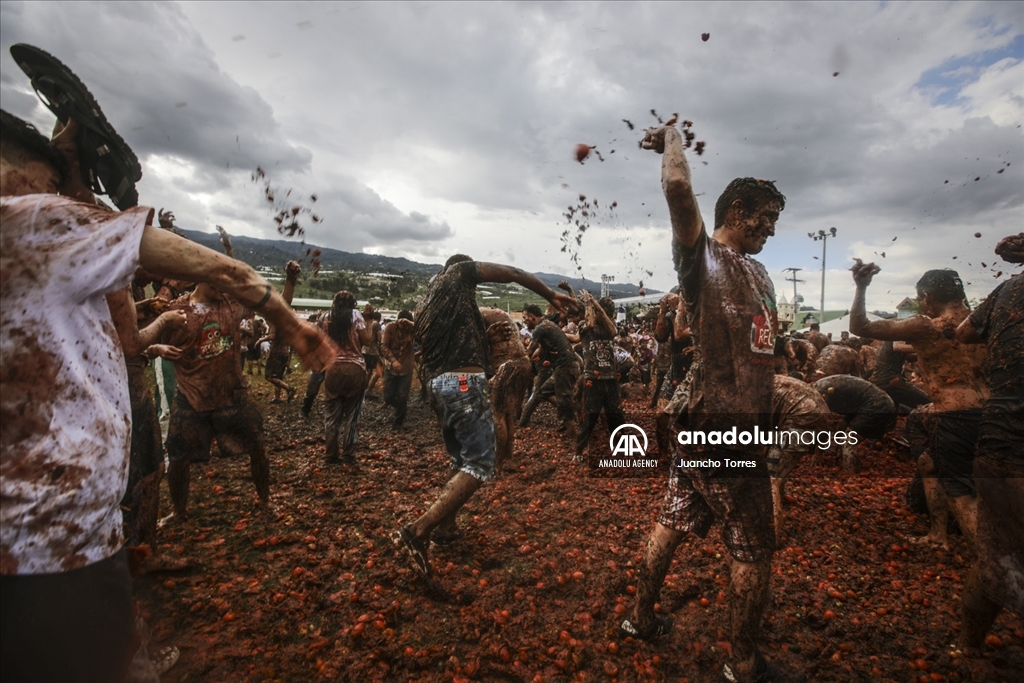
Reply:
x=65, y=417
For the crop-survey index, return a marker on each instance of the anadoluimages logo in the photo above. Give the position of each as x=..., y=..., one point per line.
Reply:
x=625, y=441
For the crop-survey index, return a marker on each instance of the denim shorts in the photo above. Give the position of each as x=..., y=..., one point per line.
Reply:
x=463, y=404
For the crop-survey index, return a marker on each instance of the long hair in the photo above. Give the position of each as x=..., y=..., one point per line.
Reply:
x=341, y=317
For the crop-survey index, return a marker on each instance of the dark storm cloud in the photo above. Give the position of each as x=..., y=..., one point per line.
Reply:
x=157, y=81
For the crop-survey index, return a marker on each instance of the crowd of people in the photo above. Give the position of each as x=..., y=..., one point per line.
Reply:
x=84, y=439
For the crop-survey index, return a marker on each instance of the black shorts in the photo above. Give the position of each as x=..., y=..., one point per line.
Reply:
x=277, y=363
x=740, y=497
x=238, y=429
x=371, y=361
x=952, y=450
x=70, y=626
x=1002, y=432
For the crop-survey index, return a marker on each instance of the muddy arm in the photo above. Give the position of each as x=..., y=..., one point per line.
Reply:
x=166, y=254
x=967, y=333
x=909, y=330
x=675, y=182
x=496, y=272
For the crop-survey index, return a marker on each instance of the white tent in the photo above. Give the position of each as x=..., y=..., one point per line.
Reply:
x=839, y=325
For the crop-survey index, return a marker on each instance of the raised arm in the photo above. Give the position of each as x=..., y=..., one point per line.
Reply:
x=909, y=330
x=291, y=276
x=496, y=272
x=595, y=317
x=680, y=330
x=661, y=330
x=166, y=254
x=675, y=181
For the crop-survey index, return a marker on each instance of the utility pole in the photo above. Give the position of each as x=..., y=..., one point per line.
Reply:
x=822, y=236
x=605, y=279
x=796, y=299
x=792, y=278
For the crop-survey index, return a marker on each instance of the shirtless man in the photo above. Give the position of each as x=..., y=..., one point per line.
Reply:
x=510, y=380
x=838, y=359
x=996, y=580
x=280, y=353
x=954, y=379
x=371, y=350
x=730, y=385
x=815, y=336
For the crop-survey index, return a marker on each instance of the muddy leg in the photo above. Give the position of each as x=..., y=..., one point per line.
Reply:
x=259, y=466
x=502, y=436
x=978, y=613
x=510, y=437
x=748, y=595
x=661, y=545
x=456, y=492
x=850, y=461
x=777, y=508
x=937, y=503
x=663, y=431
x=149, y=506
x=177, y=483
x=965, y=511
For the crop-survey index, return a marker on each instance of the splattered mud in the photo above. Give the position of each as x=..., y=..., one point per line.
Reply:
x=544, y=571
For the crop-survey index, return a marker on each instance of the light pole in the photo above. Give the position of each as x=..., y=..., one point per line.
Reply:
x=822, y=236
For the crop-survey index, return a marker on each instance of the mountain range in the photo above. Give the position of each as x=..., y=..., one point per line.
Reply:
x=259, y=252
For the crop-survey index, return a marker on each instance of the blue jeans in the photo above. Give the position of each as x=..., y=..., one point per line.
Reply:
x=467, y=424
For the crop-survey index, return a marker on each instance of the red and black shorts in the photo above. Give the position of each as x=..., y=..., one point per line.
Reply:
x=740, y=497
x=238, y=429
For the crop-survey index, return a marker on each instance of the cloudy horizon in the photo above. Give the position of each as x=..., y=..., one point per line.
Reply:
x=429, y=129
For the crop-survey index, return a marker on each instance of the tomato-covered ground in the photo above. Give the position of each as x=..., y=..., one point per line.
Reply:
x=546, y=567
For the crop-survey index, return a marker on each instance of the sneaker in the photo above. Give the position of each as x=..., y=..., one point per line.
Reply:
x=164, y=658
x=662, y=626
x=403, y=539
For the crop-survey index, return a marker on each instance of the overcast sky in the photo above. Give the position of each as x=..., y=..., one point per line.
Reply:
x=430, y=129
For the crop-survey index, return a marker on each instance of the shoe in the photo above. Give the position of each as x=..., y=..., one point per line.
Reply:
x=403, y=538
x=662, y=626
x=108, y=164
x=764, y=672
x=164, y=658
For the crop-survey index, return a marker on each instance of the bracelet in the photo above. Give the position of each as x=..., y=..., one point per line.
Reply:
x=264, y=300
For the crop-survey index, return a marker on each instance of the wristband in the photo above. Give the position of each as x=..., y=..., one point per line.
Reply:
x=264, y=300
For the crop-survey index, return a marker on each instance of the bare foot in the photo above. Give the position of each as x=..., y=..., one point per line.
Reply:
x=930, y=539
x=156, y=564
x=172, y=519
